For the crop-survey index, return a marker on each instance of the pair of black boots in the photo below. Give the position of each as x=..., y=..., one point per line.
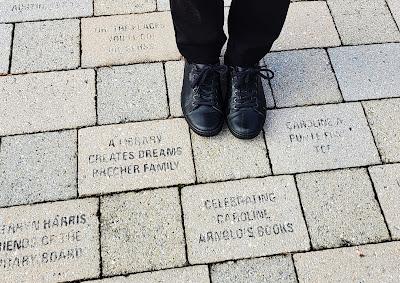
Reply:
x=205, y=107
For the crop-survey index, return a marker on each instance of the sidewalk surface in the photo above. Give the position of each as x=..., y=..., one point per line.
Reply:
x=102, y=181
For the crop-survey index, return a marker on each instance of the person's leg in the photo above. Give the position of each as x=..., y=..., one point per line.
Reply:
x=253, y=27
x=199, y=29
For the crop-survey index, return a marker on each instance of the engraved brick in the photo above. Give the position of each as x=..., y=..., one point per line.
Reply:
x=128, y=39
x=21, y=10
x=340, y=208
x=46, y=46
x=109, y=7
x=387, y=185
x=318, y=138
x=51, y=242
x=38, y=167
x=131, y=93
x=369, y=263
x=142, y=231
x=47, y=101
x=5, y=47
x=134, y=156
x=246, y=218
x=358, y=80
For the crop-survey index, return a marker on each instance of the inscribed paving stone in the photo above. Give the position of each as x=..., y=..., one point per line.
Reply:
x=141, y=231
x=50, y=242
x=387, y=185
x=5, y=47
x=46, y=46
x=340, y=208
x=109, y=7
x=369, y=263
x=128, y=39
x=302, y=77
x=363, y=21
x=308, y=24
x=258, y=270
x=21, y=11
x=224, y=157
x=319, y=138
x=124, y=157
x=38, y=167
x=246, y=218
x=131, y=93
x=358, y=80
x=191, y=274
x=394, y=6
x=384, y=119
x=47, y=101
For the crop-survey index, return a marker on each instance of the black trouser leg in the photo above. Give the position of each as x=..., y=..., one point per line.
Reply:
x=253, y=27
x=199, y=29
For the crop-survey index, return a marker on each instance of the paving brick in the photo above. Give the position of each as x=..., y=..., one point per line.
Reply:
x=384, y=119
x=45, y=46
x=39, y=167
x=369, y=263
x=302, y=77
x=363, y=21
x=174, y=74
x=301, y=31
x=47, y=101
x=394, y=6
x=20, y=10
x=340, y=208
x=386, y=179
x=109, y=7
x=128, y=39
x=131, y=93
x=367, y=72
x=258, y=270
x=246, y=218
x=134, y=156
x=163, y=5
x=224, y=157
x=141, y=231
x=50, y=242
x=319, y=138
x=191, y=274
x=5, y=47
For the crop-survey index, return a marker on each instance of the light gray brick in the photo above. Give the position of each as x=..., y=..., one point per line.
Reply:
x=110, y=7
x=5, y=47
x=394, y=6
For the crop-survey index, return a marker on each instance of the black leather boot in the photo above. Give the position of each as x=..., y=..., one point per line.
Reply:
x=246, y=104
x=201, y=99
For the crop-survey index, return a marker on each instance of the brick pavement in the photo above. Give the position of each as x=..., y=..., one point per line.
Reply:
x=101, y=180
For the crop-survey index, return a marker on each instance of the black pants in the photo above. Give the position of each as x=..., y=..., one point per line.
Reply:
x=253, y=26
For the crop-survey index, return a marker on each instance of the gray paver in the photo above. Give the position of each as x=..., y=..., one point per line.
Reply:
x=20, y=10
x=141, y=231
x=384, y=119
x=259, y=270
x=224, y=157
x=394, y=6
x=369, y=263
x=387, y=185
x=45, y=46
x=191, y=274
x=109, y=7
x=47, y=101
x=128, y=39
x=367, y=72
x=245, y=218
x=131, y=93
x=134, y=156
x=301, y=31
x=50, y=242
x=5, y=47
x=363, y=21
x=319, y=138
x=302, y=77
x=163, y=5
x=39, y=167
x=340, y=208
